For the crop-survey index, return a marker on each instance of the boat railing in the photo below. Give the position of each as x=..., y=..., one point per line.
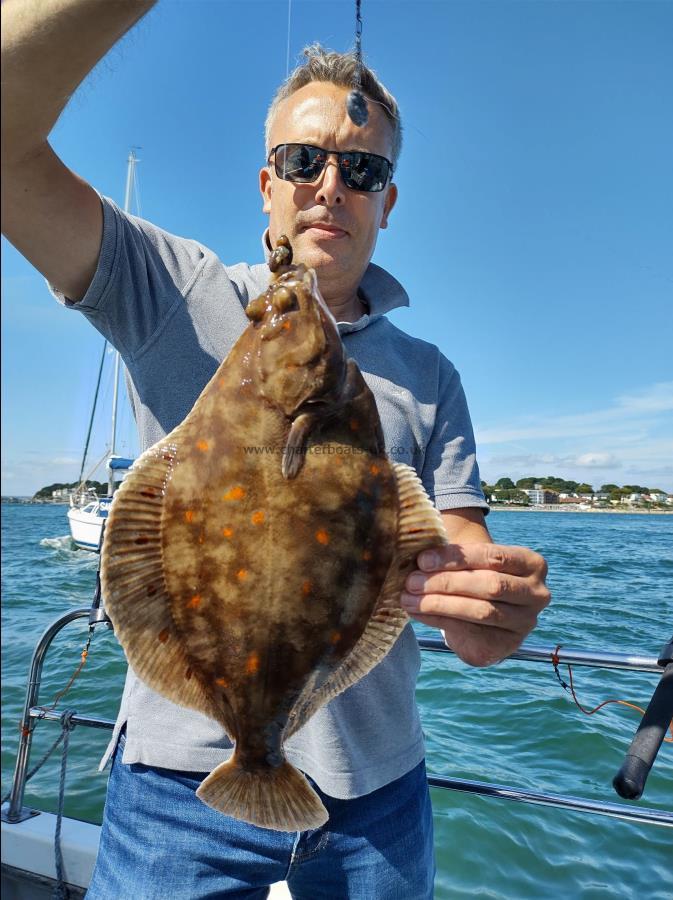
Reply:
x=33, y=713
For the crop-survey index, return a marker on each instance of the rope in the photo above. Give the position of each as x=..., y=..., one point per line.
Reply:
x=37, y=767
x=60, y=889
x=92, y=470
x=83, y=659
x=93, y=411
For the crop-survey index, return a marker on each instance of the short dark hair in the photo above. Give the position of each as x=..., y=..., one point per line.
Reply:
x=340, y=69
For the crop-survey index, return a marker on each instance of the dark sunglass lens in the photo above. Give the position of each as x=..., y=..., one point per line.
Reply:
x=365, y=171
x=298, y=162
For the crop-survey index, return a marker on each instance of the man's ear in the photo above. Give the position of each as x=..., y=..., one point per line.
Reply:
x=391, y=199
x=265, y=188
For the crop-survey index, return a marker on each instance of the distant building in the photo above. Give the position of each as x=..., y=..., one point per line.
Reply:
x=62, y=495
x=540, y=496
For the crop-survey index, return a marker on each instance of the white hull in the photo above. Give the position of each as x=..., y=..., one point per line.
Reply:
x=86, y=524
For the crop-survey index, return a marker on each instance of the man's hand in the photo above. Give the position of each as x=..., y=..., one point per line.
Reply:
x=484, y=597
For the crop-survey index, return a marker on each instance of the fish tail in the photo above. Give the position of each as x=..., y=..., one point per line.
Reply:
x=279, y=798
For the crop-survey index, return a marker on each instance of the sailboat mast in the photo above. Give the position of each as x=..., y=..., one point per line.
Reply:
x=130, y=172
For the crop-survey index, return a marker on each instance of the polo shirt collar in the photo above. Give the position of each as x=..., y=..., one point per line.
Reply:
x=378, y=288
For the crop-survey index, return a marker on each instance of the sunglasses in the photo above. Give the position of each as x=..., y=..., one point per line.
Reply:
x=303, y=164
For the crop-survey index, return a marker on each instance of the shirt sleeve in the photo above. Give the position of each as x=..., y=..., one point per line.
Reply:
x=143, y=273
x=450, y=473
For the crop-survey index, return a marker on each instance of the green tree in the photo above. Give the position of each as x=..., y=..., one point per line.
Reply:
x=584, y=489
x=505, y=484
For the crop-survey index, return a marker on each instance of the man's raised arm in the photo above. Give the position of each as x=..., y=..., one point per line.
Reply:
x=48, y=47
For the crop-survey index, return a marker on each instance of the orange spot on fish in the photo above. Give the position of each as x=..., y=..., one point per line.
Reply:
x=258, y=517
x=286, y=326
x=203, y=445
x=235, y=493
x=227, y=532
x=321, y=536
x=366, y=554
x=306, y=588
x=252, y=663
x=242, y=574
x=222, y=682
x=189, y=515
x=163, y=635
x=353, y=424
x=335, y=637
x=194, y=602
x=374, y=469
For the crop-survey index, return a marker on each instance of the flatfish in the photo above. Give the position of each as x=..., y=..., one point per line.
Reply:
x=254, y=557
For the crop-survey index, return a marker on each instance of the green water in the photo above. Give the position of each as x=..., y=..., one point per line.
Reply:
x=512, y=724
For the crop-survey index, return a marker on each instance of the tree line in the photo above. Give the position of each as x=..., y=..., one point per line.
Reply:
x=45, y=493
x=507, y=489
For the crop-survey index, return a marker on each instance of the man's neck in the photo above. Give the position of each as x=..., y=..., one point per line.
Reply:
x=346, y=309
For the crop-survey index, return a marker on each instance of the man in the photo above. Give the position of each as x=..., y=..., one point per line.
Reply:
x=174, y=311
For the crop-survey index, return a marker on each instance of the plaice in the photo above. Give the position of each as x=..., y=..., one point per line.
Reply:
x=254, y=558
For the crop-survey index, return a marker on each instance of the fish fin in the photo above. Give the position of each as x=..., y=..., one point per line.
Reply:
x=295, y=446
x=419, y=527
x=134, y=591
x=279, y=798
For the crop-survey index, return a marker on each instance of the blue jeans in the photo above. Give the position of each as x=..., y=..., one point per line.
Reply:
x=160, y=842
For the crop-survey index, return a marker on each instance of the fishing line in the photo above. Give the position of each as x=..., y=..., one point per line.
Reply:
x=136, y=192
x=287, y=56
x=356, y=105
x=589, y=712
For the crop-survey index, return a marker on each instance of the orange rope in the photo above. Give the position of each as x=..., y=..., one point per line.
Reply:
x=83, y=659
x=590, y=712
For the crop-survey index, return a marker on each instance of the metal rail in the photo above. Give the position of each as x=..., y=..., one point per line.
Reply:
x=16, y=811
x=529, y=653
x=577, y=804
x=535, y=653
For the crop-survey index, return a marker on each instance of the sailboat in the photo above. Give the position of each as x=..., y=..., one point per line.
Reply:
x=88, y=512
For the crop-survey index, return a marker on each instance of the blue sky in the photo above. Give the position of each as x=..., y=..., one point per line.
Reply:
x=534, y=227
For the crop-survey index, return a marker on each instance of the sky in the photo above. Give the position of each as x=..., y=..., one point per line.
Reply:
x=533, y=230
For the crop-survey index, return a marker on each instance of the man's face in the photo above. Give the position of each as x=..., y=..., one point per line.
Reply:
x=331, y=227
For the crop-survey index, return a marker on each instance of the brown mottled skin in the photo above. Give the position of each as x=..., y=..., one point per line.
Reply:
x=261, y=607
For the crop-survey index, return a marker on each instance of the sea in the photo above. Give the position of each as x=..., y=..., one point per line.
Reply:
x=512, y=724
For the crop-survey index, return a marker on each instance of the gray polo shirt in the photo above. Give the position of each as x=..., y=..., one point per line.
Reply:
x=174, y=311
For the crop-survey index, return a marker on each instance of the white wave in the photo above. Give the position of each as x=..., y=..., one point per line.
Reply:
x=63, y=542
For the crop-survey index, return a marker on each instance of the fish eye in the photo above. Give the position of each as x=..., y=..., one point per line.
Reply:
x=284, y=299
x=256, y=308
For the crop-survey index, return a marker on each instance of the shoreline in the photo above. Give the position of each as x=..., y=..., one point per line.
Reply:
x=555, y=509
